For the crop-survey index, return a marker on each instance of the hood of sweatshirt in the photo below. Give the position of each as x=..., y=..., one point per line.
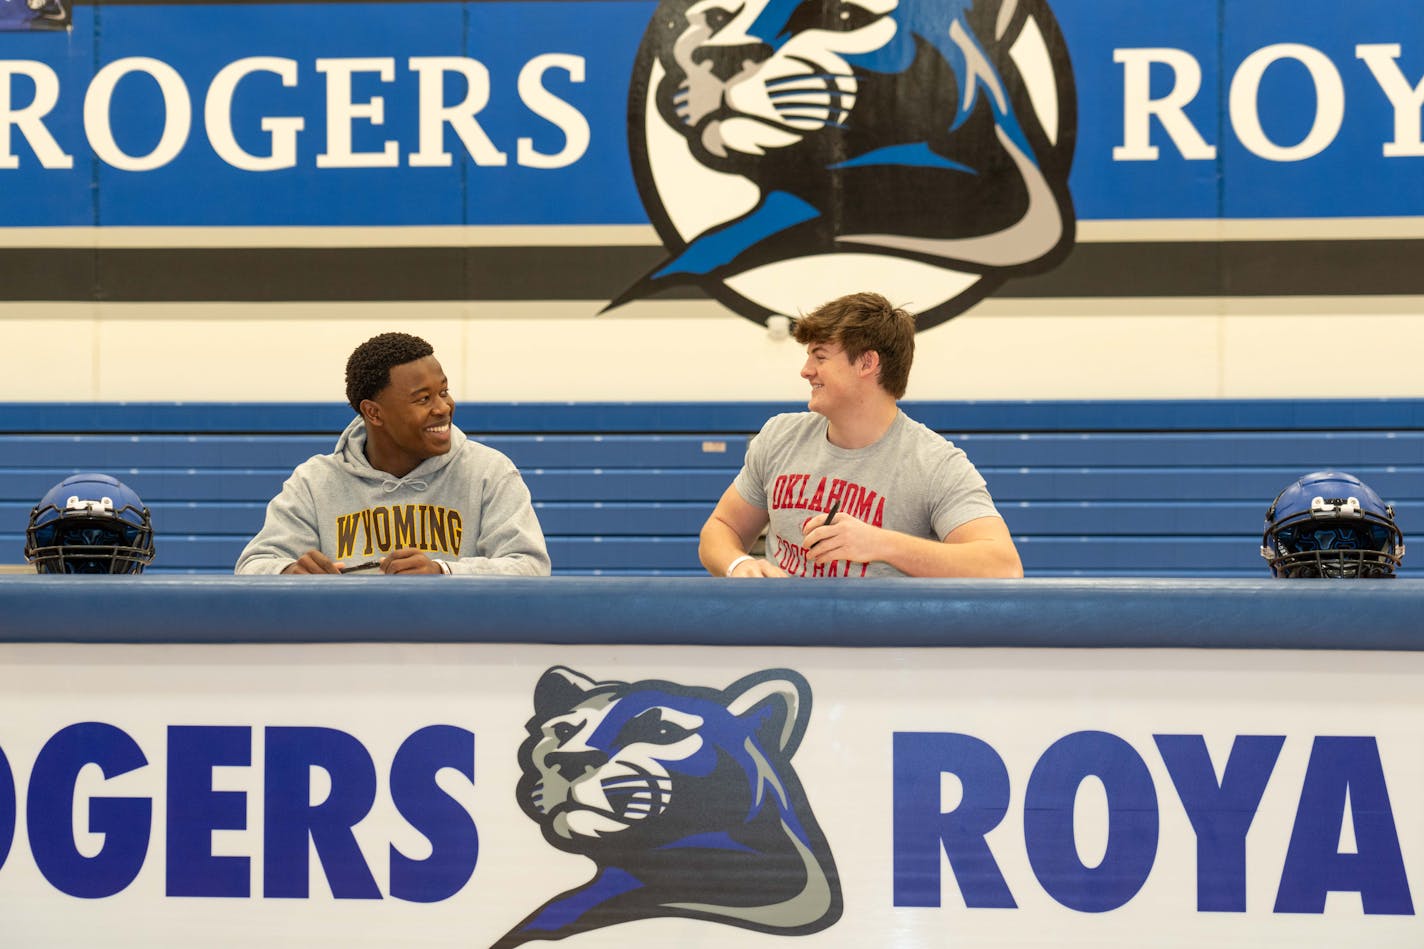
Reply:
x=351, y=456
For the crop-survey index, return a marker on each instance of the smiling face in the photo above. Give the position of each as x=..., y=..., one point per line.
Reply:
x=836, y=382
x=409, y=420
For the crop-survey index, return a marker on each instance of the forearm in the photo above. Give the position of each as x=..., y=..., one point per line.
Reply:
x=919, y=557
x=521, y=564
x=263, y=564
x=277, y=546
x=283, y=538
x=513, y=545
x=516, y=550
x=288, y=531
x=718, y=546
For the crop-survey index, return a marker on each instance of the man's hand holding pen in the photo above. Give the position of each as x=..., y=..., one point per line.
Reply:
x=846, y=538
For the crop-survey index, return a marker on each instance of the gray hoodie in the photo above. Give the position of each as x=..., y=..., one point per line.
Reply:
x=468, y=507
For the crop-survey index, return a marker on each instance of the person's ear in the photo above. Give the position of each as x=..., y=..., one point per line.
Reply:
x=371, y=412
x=869, y=363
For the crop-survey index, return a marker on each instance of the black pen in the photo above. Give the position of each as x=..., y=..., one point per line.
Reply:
x=835, y=506
x=368, y=565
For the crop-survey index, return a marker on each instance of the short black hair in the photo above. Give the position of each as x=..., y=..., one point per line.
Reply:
x=368, y=369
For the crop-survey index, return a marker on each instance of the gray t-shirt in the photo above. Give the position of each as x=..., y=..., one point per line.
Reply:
x=912, y=480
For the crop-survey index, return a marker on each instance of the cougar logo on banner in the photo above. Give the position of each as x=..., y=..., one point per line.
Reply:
x=788, y=151
x=18, y=15
x=684, y=798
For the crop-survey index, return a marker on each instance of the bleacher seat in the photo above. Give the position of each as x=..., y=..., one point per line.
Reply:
x=1143, y=488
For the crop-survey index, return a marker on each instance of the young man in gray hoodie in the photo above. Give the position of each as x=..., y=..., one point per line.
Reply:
x=405, y=491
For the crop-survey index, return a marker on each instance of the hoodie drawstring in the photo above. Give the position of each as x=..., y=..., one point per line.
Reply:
x=391, y=484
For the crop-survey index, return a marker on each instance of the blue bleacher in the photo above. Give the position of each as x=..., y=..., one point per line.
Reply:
x=1124, y=488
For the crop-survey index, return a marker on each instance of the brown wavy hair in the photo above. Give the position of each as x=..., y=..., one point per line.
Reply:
x=865, y=322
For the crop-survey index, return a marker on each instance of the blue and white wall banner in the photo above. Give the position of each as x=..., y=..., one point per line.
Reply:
x=766, y=155
x=482, y=795
x=28, y=15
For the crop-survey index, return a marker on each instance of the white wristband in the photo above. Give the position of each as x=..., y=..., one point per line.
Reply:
x=444, y=567
x=737, y=563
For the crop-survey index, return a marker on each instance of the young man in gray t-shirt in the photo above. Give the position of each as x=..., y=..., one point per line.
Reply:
x=908, y=502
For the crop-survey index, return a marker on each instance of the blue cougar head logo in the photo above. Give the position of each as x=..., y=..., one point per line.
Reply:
x=685, y=799
x=788, y=151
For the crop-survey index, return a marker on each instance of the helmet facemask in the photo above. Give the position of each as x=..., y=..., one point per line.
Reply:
x=1336, y=538
x=89, y=537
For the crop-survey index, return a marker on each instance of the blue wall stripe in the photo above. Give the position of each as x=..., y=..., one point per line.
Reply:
x=533, y=417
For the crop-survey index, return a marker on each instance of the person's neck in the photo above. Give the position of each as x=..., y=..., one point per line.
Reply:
x=863, y=425
x=387, y=459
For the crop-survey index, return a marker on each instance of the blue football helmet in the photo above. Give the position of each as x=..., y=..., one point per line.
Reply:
x=1331, y=524
x=90, y=523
